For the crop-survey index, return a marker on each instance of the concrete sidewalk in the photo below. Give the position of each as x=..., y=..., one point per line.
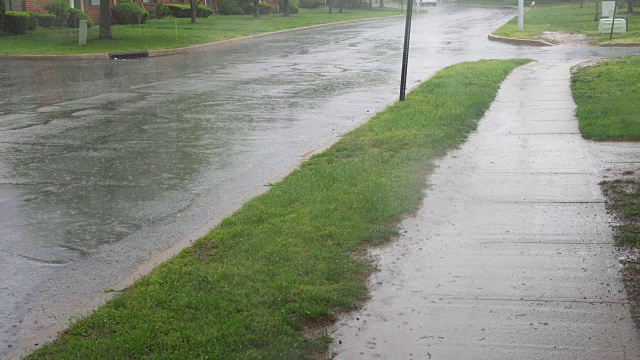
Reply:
x=510, y=256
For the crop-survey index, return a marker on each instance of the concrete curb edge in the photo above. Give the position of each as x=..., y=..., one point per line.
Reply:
x=619, y=44
x=514, y=41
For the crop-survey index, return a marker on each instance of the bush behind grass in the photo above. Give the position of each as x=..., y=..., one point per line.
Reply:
x=128, y=13
x=75, y=15
x=18, y=22
x=286, y=260
x=606, y=95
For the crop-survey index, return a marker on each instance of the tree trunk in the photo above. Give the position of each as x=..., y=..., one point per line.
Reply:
x=341, y=5
x=596, y=17
x=194, y=6
x=286, y=7
x=581, y=3
x=105, y=20
x=381, y=4
x=215, y=6
x=630, y=7
x=256, y=9
x=330, y=3
x=370, y=4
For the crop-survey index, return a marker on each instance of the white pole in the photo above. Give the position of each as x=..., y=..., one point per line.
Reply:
x=520, y=14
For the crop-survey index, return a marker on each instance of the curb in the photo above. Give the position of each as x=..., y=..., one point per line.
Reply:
x=55, y=57
x=619, y=44
x=224, y=44
x=514, y=41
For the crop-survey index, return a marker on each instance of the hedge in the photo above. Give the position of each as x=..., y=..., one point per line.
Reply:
x=229, y=7
x=126, y=12
x=33, y=20
x=2, y=15
x=75, y=15
x=46, y=20
x=184, y=10
x=17, y=22
x=59, y=8
x=311, y=4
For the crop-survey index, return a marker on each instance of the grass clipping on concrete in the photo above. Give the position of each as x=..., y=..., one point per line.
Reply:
x=291, y=258
x=606, y=94
x=623, y=200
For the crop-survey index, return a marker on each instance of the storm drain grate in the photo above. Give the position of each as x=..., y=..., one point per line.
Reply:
x=129, y=55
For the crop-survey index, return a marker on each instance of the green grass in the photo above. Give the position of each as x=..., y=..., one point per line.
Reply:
x=569, y=19
x=173, y=33
x=606, y=96
x=290, y=258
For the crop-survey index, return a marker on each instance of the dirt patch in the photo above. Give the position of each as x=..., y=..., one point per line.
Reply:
x=621, y=188
x=567, y=39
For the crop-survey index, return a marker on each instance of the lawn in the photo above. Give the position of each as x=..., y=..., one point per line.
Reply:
x=173, y=33
x=291, y=259
x=606, y=96
x=569, y=19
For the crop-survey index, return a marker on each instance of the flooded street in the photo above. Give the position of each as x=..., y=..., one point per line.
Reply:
x=104, y=164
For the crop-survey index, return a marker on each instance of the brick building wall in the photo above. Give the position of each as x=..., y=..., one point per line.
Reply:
x=36, y=6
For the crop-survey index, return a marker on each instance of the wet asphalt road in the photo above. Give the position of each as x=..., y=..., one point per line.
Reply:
x=104, y=164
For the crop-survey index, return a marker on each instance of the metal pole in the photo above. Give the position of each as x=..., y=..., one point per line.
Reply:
x=520, y=14
x=405, y=53
x=613, y=21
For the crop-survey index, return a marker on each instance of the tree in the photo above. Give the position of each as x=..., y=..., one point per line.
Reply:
x=105, y=20
x=370, y=4
x=381, y=4
x=286, y=7
x=341, y=6
x=194, y=7
x=630, y=7
x=256, y=9
x=330, y=3
x=596, y=17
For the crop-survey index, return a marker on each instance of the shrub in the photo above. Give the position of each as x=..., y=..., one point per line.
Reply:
x=59, y=8
x=75, y=15
x=46, y=20
x=178, y=10
x=161, y=11
x=33, y=20
x=2, y=15
x=310, y=4
x=249, y=9
x=229, y=7
x=129, y=13
x=184, y=10
x=203, y=11
x=17, y=22
x=293, y=7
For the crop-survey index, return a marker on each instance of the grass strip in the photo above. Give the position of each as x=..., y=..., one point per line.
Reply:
x=174, y=33
x=292, y=257
x=605, y=94
x=566, y=19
